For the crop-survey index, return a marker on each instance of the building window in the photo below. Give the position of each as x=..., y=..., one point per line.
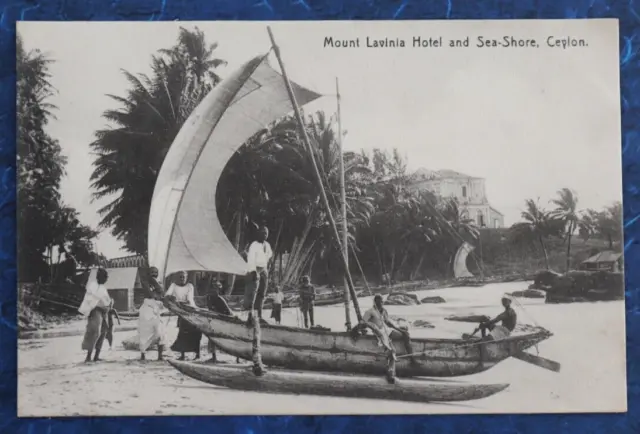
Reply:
x=496, y=223
x=480, y=219
x=464, y=191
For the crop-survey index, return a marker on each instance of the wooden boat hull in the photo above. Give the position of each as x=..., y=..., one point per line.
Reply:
x=351, y=386
x=136, y=315
x=318, y=350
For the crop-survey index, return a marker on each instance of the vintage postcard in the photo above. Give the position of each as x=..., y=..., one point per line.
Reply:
x=252, y=218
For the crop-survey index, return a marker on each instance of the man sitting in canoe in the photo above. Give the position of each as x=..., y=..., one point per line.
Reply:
x=377, y=318
x=258, y=259
x=508, y=318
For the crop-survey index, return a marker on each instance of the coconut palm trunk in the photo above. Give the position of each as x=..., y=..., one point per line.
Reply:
x=544, y=252
x=418, y=267
x=569, y=236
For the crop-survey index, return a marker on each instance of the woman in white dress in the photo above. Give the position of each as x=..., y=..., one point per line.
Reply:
x=189, y=337
x=150, y=326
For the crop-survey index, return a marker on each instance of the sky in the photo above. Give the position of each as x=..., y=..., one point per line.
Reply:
x=529, y=120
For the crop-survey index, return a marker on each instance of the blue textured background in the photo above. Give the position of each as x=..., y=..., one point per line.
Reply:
x=626, y=11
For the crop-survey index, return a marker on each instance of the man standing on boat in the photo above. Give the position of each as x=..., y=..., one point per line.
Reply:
x=508, y=317
x=258, y=258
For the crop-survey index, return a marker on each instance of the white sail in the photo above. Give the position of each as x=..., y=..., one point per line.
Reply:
x=184, y=231
x=460, y=269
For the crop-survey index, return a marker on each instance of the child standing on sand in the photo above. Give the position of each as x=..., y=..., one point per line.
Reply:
x=307, y=297
x=276, y=311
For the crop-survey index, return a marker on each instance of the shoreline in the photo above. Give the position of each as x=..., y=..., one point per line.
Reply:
x=67, y=325
x=53, y=380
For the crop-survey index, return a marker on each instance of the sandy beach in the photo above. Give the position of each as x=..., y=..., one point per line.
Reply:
x=589, y=342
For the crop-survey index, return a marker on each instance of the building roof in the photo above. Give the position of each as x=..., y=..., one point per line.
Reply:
x=605, y=256
x=120, y=278
x=496, y=211
x=127, y=261
x=441, y=174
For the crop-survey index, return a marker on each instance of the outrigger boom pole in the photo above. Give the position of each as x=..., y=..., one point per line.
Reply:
x=307, y=143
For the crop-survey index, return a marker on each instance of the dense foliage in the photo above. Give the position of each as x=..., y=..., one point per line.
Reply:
x=565, y=221
x=44, y=221
x=130, y=154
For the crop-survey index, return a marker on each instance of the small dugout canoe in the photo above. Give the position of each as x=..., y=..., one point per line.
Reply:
x=329, y=384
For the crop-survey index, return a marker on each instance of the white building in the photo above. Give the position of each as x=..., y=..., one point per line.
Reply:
x=124, y=287
x=468, y=190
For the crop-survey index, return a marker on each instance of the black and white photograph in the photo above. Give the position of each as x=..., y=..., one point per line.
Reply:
x=319, y=218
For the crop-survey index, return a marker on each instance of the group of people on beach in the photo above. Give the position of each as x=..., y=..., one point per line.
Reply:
x=98, y=306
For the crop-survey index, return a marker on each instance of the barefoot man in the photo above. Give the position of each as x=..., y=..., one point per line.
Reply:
x=150, y=326
x=508, y=318
x=377, y=318
x=95, y=306
x=258, y=259
x=216, y=303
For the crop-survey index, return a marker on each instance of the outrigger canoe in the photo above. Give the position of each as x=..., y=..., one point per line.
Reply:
x=318, y=350
x=351, y=386
x=186, y=234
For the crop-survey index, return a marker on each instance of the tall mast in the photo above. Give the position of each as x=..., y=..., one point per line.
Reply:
x=307, y=143
x=343, y=197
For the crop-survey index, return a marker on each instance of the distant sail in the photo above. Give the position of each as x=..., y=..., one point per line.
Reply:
x=184, y=231
x=460, y=269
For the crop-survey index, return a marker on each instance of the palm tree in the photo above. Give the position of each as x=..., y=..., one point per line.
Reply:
x=44, y=221
x=605, y=224
x=423, y=228
x=587, y=224
x=566, y=211
x=40, y=164
x=271, y=180
x=459, y=228
x=299, y=190
x=609, y=223
x=538, y=225
x=130, y=153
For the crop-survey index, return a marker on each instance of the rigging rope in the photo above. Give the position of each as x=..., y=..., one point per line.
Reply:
x=350, y=245
x=535, y=323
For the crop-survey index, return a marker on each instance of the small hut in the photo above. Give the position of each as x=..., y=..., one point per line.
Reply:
x=607, y=260
x=123, y=286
